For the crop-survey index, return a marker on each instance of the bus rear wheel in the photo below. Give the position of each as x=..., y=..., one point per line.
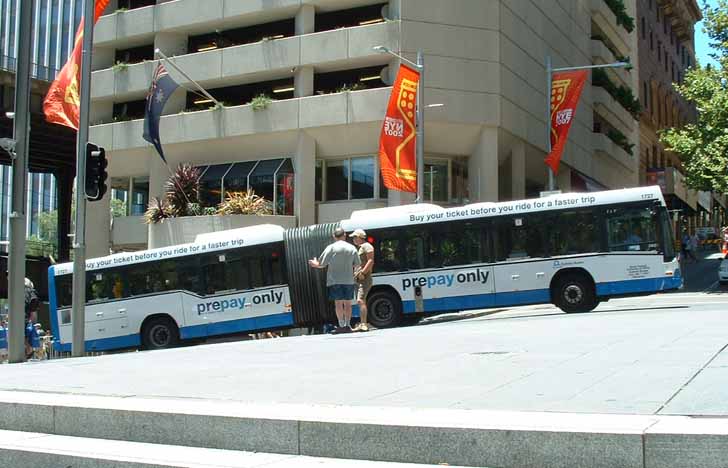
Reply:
x=575, y=294
x=160, y=333
x=384, y=309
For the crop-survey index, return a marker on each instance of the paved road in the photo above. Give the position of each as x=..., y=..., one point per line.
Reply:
x=703, y=275
x=661, y=354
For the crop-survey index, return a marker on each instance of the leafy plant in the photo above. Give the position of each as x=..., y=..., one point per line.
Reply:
x=621, y=94
x=120, y=66
x=182, y=189
x=122, y=10
x=244, y=203
x=157, y=211
x=620, y=140
x=620, y=11
x=261, y=102
x=350, y=87
x=118, y=208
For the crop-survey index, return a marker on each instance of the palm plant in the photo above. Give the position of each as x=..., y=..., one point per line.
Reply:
x=182, y=189
x=157, y=211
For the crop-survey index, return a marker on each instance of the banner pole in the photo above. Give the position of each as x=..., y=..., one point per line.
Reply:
x=420, y=128
x=552, y=182
x=174, y=65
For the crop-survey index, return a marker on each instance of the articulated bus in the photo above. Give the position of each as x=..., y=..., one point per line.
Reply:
x=573, y=250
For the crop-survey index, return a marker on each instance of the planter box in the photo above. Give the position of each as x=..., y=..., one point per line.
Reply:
x=184, y=230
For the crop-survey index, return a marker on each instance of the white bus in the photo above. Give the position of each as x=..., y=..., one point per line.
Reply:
x=573, y=250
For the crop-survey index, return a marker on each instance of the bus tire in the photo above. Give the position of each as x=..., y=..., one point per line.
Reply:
x=574, y=293
x=159, y=333
x=384, y=309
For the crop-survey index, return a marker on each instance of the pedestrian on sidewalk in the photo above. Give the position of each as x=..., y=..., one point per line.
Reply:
x=686, y=246
x=363, y=275
x=694, y=245
x=340, y=259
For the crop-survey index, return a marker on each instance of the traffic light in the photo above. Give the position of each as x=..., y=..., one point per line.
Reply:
x=95, y=172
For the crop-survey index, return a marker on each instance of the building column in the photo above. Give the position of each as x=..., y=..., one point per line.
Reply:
x=563, y=178
x=306, y=20
x=64, y=191
x=158, y=173
x=483, y=168
x=98, y=232
x=303, y=82
x=518, y=171
x=304, y=190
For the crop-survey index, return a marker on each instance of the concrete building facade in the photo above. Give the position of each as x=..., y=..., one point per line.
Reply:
x=312, y=148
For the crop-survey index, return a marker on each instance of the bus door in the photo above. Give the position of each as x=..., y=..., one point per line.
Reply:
x=106, y=313
x=522, y=272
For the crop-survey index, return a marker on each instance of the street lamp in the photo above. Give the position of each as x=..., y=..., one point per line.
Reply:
x=549, y=72
x=420, y=116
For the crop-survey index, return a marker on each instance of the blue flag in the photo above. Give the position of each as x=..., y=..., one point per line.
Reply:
x=161, y=89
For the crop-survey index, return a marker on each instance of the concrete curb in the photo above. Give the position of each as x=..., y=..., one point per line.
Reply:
x=426, y=436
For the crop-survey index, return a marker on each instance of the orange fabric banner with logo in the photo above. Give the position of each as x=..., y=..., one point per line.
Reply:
x=566, y=89
x=399, y=133
x=61, y=104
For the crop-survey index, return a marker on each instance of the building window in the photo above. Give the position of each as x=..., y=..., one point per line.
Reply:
x=652, y=41
x=665, y=60
x=132, y=4
x=659, y=51
x=241, y=36
x=348, y=179
x=348, y=80
x=361, y=16
x=135, y=54
x=437, y=174
x=645, y=96
x=271, y=179
x=644, y=31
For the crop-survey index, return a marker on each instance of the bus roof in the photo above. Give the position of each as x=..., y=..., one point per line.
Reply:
x=208, y=242
x=406, y=215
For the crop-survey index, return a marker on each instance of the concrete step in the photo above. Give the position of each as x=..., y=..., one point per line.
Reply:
x=33, y=450
x=423, y=436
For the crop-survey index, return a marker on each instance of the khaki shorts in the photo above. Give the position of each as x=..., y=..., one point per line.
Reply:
x=362, y=289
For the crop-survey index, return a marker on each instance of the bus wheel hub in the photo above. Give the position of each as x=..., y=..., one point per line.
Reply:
x=573, y=294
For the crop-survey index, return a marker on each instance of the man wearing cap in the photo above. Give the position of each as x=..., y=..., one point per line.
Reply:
x=363, y=275
x=340, y=258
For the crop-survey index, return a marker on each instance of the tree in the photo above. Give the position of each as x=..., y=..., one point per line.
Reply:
x=118, y=208
x=48, y=226
x=703, y=146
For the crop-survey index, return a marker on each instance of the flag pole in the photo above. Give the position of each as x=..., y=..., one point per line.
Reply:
x=202, y=90
x=552, y=182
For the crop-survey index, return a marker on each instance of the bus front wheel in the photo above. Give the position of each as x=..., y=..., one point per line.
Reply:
x=385, y=309
x=160, y=333
x=575, y=294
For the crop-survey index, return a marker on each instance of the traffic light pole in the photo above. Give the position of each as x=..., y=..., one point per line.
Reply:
x=21, y=135
x=79, y=240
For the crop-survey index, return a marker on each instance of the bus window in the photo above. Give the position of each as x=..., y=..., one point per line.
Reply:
x=519, y=237
x=386, y=251
x=63, y=290
x=97, y=286
x=631, y=229
x=417, y=248
x=456, y=244
x=572, y=232
x=213, y=271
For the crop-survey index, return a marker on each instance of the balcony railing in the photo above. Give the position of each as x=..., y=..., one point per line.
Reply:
x=38, y=72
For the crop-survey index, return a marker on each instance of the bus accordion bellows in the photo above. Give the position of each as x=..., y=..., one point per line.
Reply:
x=573, y=250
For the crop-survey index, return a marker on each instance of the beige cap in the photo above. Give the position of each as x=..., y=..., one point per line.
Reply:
x=359, y=233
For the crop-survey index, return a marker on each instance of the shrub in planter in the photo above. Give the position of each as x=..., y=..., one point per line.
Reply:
x=245, y=203
x=182, y=190
x=157, y=211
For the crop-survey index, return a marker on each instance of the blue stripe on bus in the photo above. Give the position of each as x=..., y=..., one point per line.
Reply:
x=104, y=344
x=616, y=288
x=477, y=301
x=236, y=326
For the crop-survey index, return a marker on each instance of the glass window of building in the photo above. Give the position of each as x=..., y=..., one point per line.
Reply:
x=362, y=178
x=436, y=180
x=236, y=180
x=54, y=32
x=262, y=178
x=66, y=31
x=319, y=180
x=211, y=185
x=139, y=195
x=42, y=34
x=337, y=180
x=284, y=196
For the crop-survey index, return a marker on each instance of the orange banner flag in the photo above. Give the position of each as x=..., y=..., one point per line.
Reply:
x=566, y=88
x=61, y=104
x=397, y=141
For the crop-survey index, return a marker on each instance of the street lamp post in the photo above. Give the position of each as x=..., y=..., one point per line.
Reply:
x=420, y=117
x=549, y=74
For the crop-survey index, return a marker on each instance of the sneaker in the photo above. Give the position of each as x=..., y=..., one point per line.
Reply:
x=363, y=327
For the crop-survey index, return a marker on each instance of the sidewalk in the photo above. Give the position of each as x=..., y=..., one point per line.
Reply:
x=605, y=389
